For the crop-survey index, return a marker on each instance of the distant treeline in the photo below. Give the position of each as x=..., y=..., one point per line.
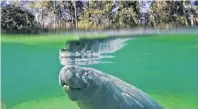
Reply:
x=34, y=16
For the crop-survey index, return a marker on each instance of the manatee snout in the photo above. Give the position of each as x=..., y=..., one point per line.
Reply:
x=72, y=80
x=68, y=77
x=72, y=77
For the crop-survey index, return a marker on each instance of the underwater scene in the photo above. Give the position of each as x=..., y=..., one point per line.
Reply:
x=163, y=66
x=89, y=54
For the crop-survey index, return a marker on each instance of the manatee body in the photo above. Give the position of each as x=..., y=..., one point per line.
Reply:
x=93, y=89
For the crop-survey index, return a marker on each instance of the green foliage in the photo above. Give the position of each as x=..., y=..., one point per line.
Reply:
x=127, y=18
x=168, y=12
x=97, y=16
x=14, y=19
x=42, y=4
x=181, y=20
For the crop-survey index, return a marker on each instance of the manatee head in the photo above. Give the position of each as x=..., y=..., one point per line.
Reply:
x=77, y=46
x=77, y=82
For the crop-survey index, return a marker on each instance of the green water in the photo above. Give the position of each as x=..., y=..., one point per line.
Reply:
x=164, y=67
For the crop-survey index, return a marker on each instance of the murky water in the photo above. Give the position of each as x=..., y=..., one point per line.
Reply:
x=163, y=67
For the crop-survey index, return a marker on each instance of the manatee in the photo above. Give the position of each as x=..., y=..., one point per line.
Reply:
x=87, y=51
x=69, y=58
x=93, y=89
x=107, y=45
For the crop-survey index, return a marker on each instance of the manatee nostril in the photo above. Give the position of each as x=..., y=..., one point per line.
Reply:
x=62, y=84
x=78, y=43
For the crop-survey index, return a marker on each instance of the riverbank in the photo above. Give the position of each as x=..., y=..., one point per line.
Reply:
x=93, y=15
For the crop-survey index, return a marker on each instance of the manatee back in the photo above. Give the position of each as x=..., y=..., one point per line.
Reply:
x=124, y=94
x=113, y=93
x=132, y=97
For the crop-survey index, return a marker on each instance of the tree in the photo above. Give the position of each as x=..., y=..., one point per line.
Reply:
x=15, y=19
x=96, y=16
x=167, y=12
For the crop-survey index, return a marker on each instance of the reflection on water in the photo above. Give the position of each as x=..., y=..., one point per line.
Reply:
x=86, y=52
